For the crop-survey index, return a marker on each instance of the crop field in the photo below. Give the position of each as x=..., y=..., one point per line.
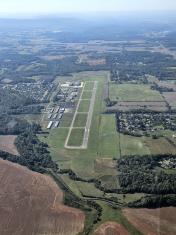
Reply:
x=76, y=137
x=160, y=146
x=137, y=105
x=81, y=119
x=170, y=98
x=111, y=228
x=24, y=210
x=84, y=106
x=133, y=92
x=7, y=144
x=153, y=221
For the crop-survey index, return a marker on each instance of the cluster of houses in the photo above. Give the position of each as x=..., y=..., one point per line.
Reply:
x=55, y=115
x=139, y=124
x=38, y=92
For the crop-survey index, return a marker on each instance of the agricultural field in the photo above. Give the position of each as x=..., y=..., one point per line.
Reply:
x=133, y=92
x=170, y=97
x=159, y=221
x=111, y=228
x=7, y=144
x=25, y=211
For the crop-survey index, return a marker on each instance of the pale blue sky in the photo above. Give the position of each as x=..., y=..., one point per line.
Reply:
x=55, y=6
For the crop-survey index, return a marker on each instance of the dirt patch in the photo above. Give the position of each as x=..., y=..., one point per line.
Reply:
x=31, y=204
x=111, y=228
x=160, y=221
x=7, y=144
x=104, y=163
x=170, y=97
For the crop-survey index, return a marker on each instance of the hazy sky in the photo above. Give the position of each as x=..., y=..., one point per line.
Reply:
x=54, y=6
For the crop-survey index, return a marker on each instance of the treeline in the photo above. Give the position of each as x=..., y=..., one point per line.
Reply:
x=154, y=201
x=10, y=101
x=14, y=126
x=34, y=151
x=142, y=175
x=129, y=66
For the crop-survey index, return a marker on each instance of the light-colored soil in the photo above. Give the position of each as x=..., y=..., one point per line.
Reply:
x=111, y=228
x=7, y=144
x=160, y=221
x=31, y=204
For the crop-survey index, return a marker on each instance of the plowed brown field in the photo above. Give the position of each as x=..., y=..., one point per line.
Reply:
x=31, y=204
x=7, y=144
x=160, y=221
x=111, y=228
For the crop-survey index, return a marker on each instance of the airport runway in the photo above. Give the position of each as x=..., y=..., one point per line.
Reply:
x=89, y=120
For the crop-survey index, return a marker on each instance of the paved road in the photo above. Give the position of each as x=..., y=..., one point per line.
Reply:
x=88, y=123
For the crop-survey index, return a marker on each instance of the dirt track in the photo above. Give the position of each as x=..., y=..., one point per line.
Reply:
x=111, y=228
x=31, y=204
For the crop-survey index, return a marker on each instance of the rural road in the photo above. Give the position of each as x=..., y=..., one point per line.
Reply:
x=88, y=123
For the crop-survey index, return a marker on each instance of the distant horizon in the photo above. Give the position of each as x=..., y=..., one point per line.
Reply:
x=79, y=14
x=20, y=8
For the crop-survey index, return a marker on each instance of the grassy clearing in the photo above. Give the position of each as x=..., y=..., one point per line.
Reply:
x=110, y=181
x=116, y=215
x=80, y=120
x=66, y=120
x=84, y=106
x=89, y=190
x=87, y=95
x=131, y=145
x=89, y=86
x=108, y=137
x=76, y=137
x=133, y=92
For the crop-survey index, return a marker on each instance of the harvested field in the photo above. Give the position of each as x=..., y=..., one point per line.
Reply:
x=111, y=228
x=154, y=105
x=160, y=146
x=166, y=84
x=31, y=204
x=161, y=221
x=94, y=62
x=170, y=98
x=7, y=144
x=133, y=92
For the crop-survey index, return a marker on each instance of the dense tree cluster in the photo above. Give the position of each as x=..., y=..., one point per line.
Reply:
x=128, y=66
x=143, y=175
x=34, y=151
x=155, y=201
